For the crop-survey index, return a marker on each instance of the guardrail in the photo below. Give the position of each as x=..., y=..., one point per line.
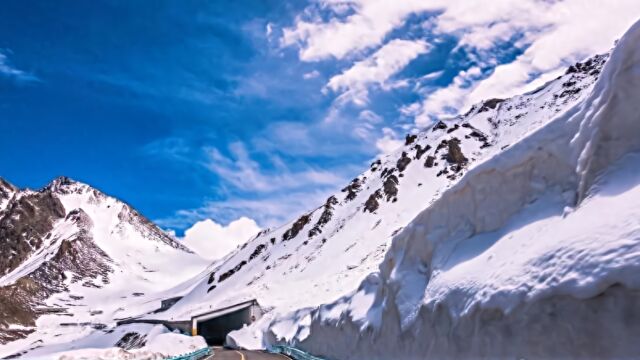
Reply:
x=293, y=353
x=196, y=355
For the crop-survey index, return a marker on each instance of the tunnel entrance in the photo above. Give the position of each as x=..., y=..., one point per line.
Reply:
x=214, y=326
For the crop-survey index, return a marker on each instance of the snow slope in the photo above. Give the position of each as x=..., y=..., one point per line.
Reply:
x=534, y=253
x=90, y=261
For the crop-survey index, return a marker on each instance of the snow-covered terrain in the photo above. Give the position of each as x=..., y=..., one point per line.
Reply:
x=79, y=261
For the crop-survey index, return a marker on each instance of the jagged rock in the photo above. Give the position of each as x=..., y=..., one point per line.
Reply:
x=375, y=164
x=390, y=187
x=421, y=151
x=409, y=139
x=257, y=251
x=429, y=162
x=23, y=227
x=325, y=217
x=490, y=104
x=454, y=128
x=403, y=162
x=454, y=155
x=230, y=272
x=439, y=126
x=296, y=227
x=372, y=204
x=352, y=189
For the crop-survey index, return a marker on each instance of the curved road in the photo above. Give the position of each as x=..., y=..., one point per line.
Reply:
x=227, y=354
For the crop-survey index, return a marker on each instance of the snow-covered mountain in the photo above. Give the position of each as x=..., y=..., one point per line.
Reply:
x=75, y=260
x=497, y=220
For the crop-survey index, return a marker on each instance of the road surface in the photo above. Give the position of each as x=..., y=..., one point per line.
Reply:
x=227, y=354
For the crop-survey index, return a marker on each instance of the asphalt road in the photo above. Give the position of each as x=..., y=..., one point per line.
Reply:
x=226, y=354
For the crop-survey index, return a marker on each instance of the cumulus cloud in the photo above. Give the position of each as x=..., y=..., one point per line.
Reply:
x=551, y=34
x=389, y=142
x=376, y=69
x=338, y=37
x=213, y=241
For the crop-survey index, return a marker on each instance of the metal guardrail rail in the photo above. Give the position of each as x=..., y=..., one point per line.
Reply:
x=195, y=355
x=293, y=353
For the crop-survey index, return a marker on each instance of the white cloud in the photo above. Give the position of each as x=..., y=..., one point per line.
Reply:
x=7, y=70
x=213, y=241
x=242, y=172
x=389, y=142
x=551, y=33
x=366, y=27
x=311, y=75
x=376, y=69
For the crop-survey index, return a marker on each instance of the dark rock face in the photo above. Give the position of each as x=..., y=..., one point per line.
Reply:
x=421, y=151
x=409, y=139
x=296, y=227
x=455, y=155
x=258, y=250
x=79, y=256
x=6, y=190
x=430, y=161
x=390, y=187
x=230, y=272
x=440, y=126
x=132, y=340
x=372, y=204
x=23, y=226
x=403, y=162
x=325, y=217
x=352, y=189
x=490, y=104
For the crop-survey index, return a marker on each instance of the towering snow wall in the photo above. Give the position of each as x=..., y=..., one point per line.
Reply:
x=534, y=253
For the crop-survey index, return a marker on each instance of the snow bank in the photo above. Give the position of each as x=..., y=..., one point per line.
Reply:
x=521, y=248
x=158, y=342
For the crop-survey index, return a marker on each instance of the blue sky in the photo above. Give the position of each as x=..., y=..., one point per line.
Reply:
x=214, y=109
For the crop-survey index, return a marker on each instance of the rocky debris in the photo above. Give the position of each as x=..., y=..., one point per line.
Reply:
x=297, y=226
x=430, y=161
x=325, y=217
x=409, y=139
x=390, y=187
x=212, y=277
x=455, y=155
x=439, y=126
x=375, y=165
x=387, y=172
x=591, y=66
x=421, y=151
x=403, y=162
x=232, y=271
x=443, y=144
x=352, y=189
x=372, y=204
x=132, y=340
x=490, y=104
x=6, y=190
x=257, y=251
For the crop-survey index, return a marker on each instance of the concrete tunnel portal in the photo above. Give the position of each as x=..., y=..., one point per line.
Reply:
x=214, y=325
